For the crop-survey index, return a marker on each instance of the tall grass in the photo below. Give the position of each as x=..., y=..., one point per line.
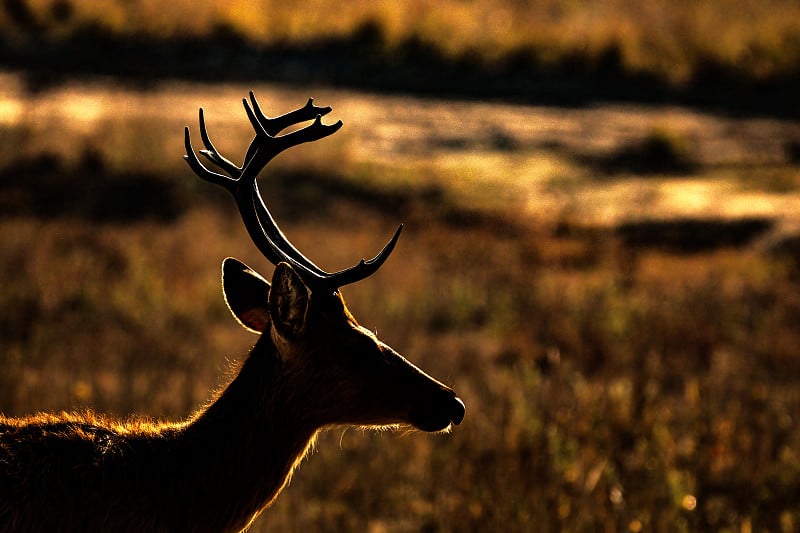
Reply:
x=656, y=393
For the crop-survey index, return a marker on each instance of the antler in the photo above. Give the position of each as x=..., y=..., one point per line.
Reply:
x=241, y=182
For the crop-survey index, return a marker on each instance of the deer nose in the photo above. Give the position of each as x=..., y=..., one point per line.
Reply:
x=438, y=412
x=458, y=410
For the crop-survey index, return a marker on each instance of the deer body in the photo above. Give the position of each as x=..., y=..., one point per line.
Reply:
x=312, y=367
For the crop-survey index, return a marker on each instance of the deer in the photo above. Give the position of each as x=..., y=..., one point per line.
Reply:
x=313, y=367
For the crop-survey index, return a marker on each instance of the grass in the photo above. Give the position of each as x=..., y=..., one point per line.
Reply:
x=610, y=384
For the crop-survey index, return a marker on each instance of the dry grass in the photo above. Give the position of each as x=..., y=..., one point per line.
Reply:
x=601, y=396
x=608, y=386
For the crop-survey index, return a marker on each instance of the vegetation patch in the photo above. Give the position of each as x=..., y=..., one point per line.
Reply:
x=659, y=152
x=692, y=235
x=43, y=186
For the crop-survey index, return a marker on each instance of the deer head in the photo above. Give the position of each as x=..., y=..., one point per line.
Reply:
x=339, y=372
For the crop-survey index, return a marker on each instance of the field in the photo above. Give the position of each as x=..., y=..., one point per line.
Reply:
x=614, y=291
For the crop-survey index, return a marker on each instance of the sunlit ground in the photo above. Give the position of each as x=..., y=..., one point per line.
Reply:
x=542, y=159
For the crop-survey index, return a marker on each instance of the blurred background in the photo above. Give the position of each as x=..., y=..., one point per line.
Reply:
x=601, y=252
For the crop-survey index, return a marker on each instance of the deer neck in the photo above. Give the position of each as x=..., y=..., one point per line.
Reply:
x=248, y=442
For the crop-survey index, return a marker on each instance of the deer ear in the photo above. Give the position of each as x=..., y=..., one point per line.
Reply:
x=247, y=295
x=288, y=301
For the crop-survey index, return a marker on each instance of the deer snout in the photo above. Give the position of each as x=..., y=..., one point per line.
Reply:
x=458, y=411
x=431, y=405
x=438, y=412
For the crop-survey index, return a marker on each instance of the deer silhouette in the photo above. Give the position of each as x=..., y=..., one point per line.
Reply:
x=312, y=367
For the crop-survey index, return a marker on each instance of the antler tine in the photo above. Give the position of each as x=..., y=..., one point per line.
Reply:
x=272, y=126
x=263, y=149
x=213, y=155
x=275, y=125
x=364, y=268
x=200, y=169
